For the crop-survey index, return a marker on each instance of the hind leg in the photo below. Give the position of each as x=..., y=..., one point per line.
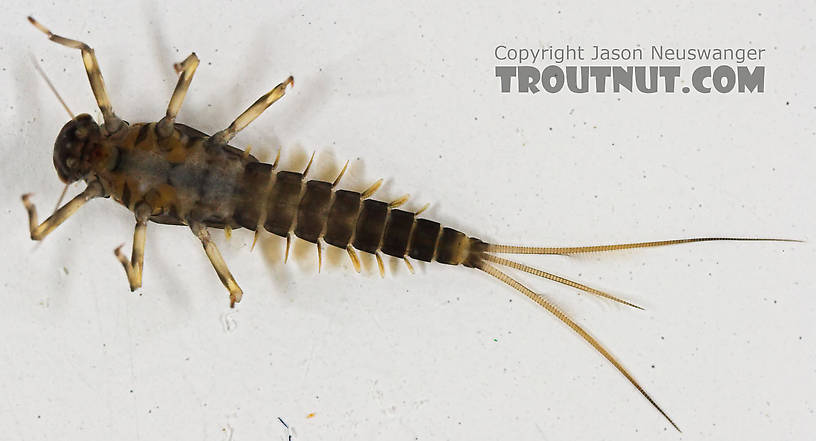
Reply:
x=112, y=122
x=218, y=263
x=134, y=266
x=252, y=112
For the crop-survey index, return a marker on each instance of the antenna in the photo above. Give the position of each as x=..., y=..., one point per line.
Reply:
x=64, y=106
x=51, y=86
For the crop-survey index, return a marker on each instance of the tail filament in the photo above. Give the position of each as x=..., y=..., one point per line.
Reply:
x=511, y=249
x=491, y=270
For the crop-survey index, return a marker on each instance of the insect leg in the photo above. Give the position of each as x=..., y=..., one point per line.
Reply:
x=112, y=122
x=252, y=112
x=39, y=231
x=218, y=262
x=185, y=69
x=134, y=266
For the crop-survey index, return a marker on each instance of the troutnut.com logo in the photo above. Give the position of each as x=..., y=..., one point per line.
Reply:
x=703, y=70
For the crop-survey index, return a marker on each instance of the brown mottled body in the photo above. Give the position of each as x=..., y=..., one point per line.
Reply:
x=184, y=178
x=181, y=177
x=173, y=174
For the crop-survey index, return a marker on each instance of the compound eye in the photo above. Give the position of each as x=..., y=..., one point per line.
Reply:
x=81, y=133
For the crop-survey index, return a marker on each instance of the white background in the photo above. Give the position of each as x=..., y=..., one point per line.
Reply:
x=726, y=343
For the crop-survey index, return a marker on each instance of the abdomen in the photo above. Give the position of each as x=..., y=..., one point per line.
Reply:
x=284, y=203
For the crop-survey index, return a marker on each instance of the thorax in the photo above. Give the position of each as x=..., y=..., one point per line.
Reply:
x=178, y=176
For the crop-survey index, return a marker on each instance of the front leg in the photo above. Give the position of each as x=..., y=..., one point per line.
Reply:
x=134, y=266
x=39, y=231
x=218, y=262
x=112, y=122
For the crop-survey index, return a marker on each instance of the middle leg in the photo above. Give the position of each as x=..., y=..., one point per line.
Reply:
x=185, y=69
x=134, y=266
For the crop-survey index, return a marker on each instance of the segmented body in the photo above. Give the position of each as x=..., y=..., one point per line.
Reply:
x=183, y=178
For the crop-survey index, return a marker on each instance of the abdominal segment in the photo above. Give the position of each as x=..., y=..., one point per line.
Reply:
x=284, y=203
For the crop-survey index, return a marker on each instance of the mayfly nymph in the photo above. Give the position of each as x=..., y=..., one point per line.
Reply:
x=170, y=173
